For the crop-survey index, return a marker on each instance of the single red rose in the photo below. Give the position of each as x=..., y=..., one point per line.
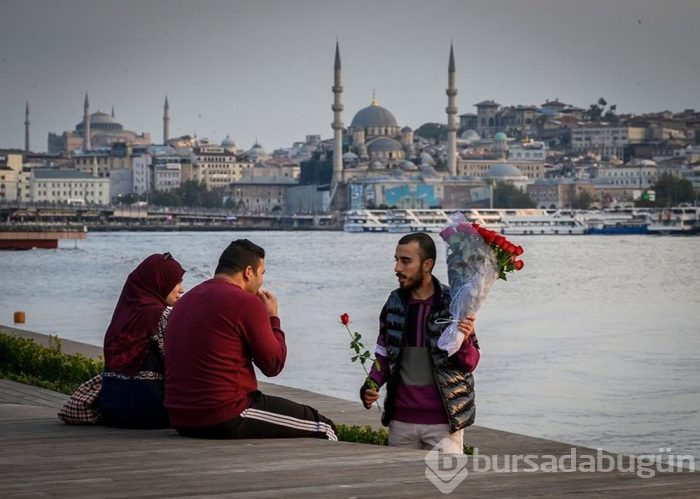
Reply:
x=518, y=250
x=345, y=319
x=498, y=240
x=519, y=264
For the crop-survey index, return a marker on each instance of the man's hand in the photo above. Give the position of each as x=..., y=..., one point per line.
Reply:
x=270, y=302
x=369, y=397
x=466, y=326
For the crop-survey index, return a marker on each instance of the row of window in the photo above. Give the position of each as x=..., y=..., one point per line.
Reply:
x=73, y=185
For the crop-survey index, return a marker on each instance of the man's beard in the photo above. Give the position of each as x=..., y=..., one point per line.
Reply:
x=411, y=282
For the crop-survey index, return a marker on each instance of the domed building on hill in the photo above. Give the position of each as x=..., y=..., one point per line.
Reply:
x=376, y=136
x=95, y=130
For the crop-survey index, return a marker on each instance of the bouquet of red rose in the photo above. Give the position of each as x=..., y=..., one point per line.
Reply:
x=476, y=257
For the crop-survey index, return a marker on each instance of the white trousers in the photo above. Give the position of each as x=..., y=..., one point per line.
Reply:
x=425, y=436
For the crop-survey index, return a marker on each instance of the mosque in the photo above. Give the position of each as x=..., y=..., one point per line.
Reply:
x=99, y=130
x=382, y=165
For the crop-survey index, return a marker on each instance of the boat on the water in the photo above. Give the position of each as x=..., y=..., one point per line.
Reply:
x=677, y=220
x=24, y=236
x=617, y=222
x=366, y=221
x=417, y=220
x=554, y=224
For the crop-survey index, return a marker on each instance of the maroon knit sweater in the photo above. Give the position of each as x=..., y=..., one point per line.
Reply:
x=215, y=334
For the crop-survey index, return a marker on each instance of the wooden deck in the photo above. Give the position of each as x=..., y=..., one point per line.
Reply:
x=40, y=456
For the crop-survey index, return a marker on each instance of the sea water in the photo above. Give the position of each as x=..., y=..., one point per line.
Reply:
x=595, y=342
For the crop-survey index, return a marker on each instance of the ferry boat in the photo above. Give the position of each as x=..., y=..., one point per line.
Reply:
x=24, y=236
x=417, y=220
x=677, y=220
x=555, y=224
x=366, y=221
x=617, y=222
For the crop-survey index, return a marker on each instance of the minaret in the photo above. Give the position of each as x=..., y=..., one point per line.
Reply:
x=112, y=110
x=166, y=121
x=86, y=124
x=451, y=116
x=337, y=124
x=26, y=128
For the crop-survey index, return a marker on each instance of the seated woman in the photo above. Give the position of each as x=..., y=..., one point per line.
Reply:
x=132, y=382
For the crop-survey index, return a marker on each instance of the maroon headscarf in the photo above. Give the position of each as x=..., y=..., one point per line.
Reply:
x=138, y=311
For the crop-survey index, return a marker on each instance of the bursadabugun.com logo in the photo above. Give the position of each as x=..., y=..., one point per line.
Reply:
x=447, y=471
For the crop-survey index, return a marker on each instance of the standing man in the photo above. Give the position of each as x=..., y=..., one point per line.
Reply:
x=430, y=396
x=215, y=335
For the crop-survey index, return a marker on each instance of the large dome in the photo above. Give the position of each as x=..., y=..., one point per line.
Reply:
x=101, y=121
x=384, y=144
x=503, y=170
x=373, y=116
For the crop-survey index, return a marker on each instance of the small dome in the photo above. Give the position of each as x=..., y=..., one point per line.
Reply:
x=470, y=136
x=384, y=144
x=257, y=152
x=350, y=156
x=373, y=116
x=503, y=170
x=500, y=136
x=377, y=165
x=426, y=159
x=228, y=142
x=409, y=166
x=406, y=129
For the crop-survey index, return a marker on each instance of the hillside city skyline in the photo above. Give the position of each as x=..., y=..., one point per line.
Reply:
x=264, y=72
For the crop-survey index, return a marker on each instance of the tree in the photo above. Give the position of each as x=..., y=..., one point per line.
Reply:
x=597, y=112
x=582, y=201
x=432, y=131
x=672, y=190
x=506, y=195
x=196, y=194
x=160, y=198
x=130, y=198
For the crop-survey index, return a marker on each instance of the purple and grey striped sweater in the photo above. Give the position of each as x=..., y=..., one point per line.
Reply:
x=417, y=398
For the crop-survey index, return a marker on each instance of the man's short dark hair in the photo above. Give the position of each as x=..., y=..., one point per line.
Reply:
x=426, y=245
x=240, y=254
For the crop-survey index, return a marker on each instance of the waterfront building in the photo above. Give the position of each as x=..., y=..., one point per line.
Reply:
x=51, y=185
x=419, y=191
x=216, y=166
x=260, y=194
x=166, y=174
x=11, y=177
x=100, y=161
x=558, y=193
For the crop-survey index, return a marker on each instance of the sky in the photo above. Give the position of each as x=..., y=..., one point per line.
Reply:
x=263, y=70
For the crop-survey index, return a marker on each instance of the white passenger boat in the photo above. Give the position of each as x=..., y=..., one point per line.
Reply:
x=677, y=220
x=417, y=220
x=366, y=221
x=617, y=222
x=555, y=224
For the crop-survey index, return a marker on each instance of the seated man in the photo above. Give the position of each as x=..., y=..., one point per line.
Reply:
x=215, y=334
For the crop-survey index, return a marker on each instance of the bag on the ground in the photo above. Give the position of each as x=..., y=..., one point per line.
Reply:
x=82, y=408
